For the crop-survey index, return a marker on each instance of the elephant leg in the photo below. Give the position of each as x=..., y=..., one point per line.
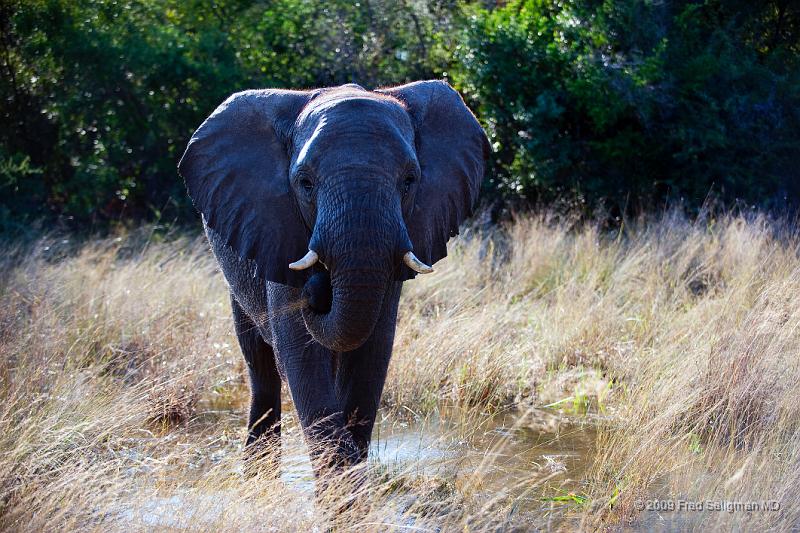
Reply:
x=362, y=374
x=308, y=369
x=359, y=385
x=264, y=421
x=310, y=376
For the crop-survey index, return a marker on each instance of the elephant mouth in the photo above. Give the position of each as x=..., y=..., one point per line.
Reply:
x=318, y=293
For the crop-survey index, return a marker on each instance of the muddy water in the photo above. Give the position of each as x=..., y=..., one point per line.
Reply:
x=532, y=458
x=504, y=452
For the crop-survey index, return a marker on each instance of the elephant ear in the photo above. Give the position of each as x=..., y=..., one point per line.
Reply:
x=236, y=170
x=452, y=150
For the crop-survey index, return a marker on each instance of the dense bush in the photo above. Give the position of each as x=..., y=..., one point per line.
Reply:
x=627, y=102
x=637, y=102
x=100, y=97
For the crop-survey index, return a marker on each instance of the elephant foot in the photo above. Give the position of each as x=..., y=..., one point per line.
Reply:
x=262, y=457
x=342, y=491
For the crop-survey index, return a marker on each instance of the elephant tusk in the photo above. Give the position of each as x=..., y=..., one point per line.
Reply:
x=415, y=264
x=307, y=261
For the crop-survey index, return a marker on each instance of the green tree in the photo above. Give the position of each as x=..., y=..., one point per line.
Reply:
x=635, y=102
x=102, y=96
x=622, y=102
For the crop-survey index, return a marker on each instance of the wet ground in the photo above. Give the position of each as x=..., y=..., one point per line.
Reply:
x=536, y=458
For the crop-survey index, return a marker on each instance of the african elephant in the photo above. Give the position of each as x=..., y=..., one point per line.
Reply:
x=317, y=206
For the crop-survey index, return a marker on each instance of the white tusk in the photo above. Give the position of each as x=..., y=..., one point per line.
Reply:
x=415, y=264
x=308, y=260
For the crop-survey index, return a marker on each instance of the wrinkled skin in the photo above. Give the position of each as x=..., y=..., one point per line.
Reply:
x=358, y=177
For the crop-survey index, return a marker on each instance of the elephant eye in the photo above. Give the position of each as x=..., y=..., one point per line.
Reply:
x=306, y=184
x=408, y=181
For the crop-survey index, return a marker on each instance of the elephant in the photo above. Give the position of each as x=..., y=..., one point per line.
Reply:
x=318, y=205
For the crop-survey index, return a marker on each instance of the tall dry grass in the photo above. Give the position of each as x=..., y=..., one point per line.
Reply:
x=121, y=382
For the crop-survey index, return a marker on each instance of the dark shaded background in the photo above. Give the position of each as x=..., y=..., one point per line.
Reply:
x=621, y=105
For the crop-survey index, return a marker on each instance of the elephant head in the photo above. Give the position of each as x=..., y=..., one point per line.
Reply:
x=365, y=187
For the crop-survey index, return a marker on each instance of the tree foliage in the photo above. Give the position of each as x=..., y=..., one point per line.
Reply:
x=626, y=102
x=636, y=102
x=100, y=97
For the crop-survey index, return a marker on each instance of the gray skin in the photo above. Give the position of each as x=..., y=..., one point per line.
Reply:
x=360, y=177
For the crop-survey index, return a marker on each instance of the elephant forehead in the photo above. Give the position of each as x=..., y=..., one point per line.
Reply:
x=361, y=134
x=349, y=108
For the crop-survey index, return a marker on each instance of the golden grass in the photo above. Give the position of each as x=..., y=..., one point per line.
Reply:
x=122, y=390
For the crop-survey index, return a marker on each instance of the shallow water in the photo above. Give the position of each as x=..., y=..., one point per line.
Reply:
x=529, y=457
x=502, y=448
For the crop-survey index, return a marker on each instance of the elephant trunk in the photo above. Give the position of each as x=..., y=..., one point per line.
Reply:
x=357, y=299
x=359, y=244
